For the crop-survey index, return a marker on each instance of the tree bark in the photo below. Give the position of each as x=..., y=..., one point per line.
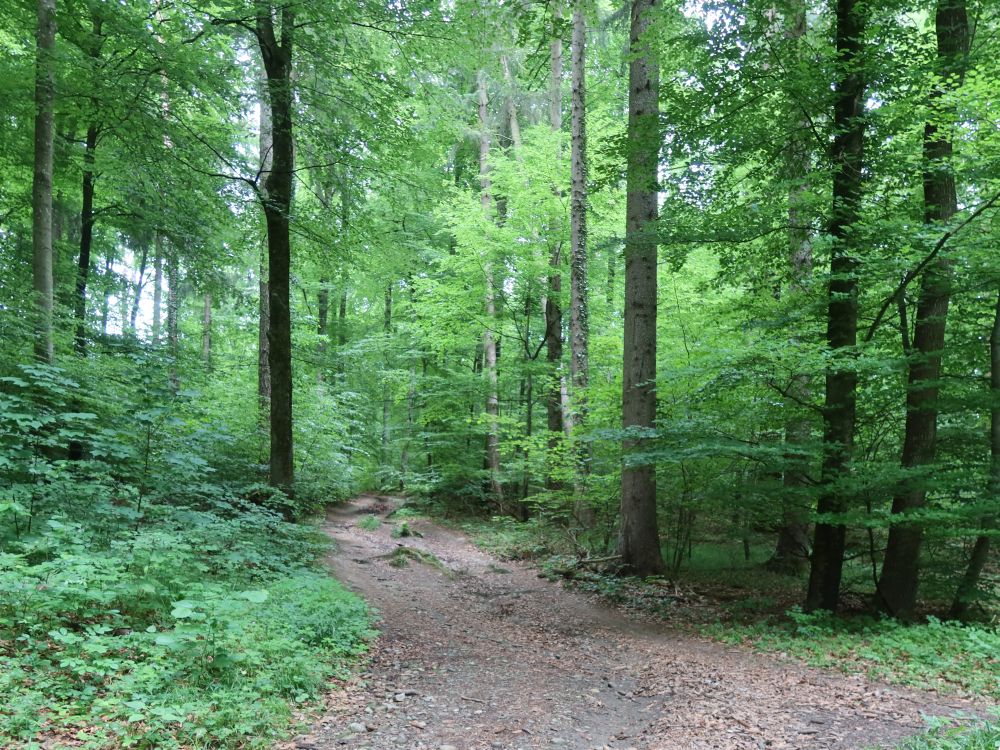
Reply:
x=489, y=342
x=276, y=198
x=157, y=287
x=965, y=594
x=173, y=311
x=264, y=349
x=86, y=240
x=839, y=410
x=791, y=553
x=206, y=332
x=322, y=326
x=386, y=392
x=140, y=282
x=41, y=189
x=550, y=304
x=897, y=587
x=639, y=541
x=579, y=315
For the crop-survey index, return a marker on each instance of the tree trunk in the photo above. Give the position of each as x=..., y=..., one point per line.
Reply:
x=140, y=282
x=489, y=342
x=264, y=293
x=41, y=189
x=386, y=392
x=264, y=349
x=639, y=541
x=276, y=199
x=157, y=287
x=842, y=309
x=551, y=305
x=173, y=311
x=897, y=588
x=109, y=262
x=322, y=327
x=791, y=553
x=965, y=594
x=579, y=315
x=206, y=332
x=86, y=240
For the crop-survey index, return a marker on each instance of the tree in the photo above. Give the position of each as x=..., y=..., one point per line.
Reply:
x=897, y=587
x=41, y=191
x=840, y=407
x=489, y=337
x=276, y=197
x=639, y=543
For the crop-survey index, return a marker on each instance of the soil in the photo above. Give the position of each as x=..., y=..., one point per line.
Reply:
x=479, y=653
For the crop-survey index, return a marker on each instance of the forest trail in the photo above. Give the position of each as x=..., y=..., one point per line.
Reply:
x=476, y=653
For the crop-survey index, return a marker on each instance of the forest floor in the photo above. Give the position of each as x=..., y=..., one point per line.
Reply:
x=479, y=653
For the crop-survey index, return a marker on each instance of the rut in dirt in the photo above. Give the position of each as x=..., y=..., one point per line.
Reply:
x=479, y=653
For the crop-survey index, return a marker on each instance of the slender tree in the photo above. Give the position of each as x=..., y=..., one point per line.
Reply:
x=41, y=191
x=839, y=409
x=276, y=52
x=551, y=304
x=489, y=339
x=965, y=593
x=639, y=541
x=791, y=552
x=897, y=588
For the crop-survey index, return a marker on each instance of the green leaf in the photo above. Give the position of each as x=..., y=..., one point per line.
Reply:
x=257, y=597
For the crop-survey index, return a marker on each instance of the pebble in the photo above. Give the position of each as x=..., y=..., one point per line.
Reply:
x=357, y=726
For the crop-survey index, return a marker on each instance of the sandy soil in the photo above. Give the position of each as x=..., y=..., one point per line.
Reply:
x=479, y=653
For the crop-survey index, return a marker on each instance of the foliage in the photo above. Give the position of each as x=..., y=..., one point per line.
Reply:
x=942, y=655
x=146, y=598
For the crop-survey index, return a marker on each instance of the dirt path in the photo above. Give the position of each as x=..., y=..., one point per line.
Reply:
x=482, y=654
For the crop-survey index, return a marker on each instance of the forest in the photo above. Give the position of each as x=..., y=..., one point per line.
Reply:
x=688, y=309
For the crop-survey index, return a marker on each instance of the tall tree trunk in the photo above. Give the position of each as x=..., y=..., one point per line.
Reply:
x=206, y=332
x=41, y=189
x=639, y=539
x=277, y=198
x=322, y=327
x=791, y=553
x=897, y=588
x=489, y=342
x=579, y=315
x=386, y=392
x=551, y=305
x=342, y=333
x=264, y=350
x=86, y=240
x=140, y=282
x=157, y=287
x=173, y=312
x=109, y=262
x=264, y=295
x=965, y=594
x=839, y=409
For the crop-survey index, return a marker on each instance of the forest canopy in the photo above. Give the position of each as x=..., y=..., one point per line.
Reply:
x=661, y=279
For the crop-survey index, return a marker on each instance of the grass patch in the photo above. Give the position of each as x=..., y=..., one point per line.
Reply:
x=942, y=655
x=369, y=523
x=986, y=736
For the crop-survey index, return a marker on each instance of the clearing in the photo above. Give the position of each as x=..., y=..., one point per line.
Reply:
x=478, y=653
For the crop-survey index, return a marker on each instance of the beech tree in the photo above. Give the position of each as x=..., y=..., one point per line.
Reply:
x=639, y=544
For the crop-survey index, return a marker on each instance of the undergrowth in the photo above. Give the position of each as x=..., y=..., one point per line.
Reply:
x=130, y=633
x=152, y=594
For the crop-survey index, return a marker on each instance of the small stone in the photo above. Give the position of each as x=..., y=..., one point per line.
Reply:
x=400, y=697
x=447, y=747
x=356, y=726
